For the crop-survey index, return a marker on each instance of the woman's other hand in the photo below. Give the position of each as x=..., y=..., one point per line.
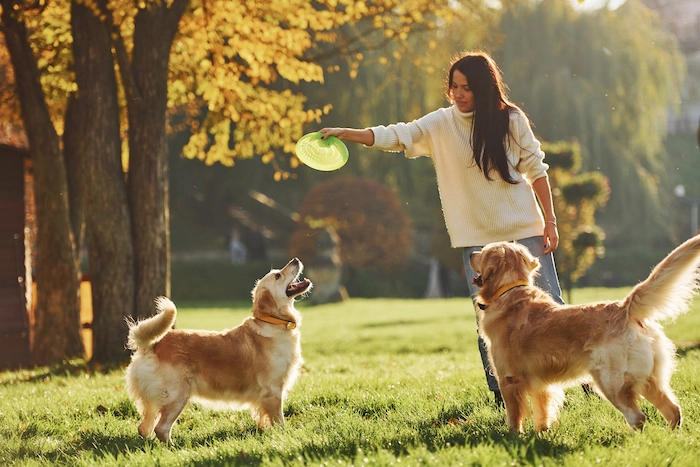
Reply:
x=551, y=237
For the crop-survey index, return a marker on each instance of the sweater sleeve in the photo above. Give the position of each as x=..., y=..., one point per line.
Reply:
x=530, y=157
x=410, y=137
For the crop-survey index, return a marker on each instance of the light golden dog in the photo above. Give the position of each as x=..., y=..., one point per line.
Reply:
x=250, y=366
x=539, y=347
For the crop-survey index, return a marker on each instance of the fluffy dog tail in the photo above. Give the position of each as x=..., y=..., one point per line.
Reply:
x=669, y=288
x=144, y=334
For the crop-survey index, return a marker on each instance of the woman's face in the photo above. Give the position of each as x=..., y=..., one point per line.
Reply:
x=461, y=94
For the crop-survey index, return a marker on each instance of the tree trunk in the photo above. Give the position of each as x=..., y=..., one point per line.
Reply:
x=57, y=316
x=154, y=32
x=73, y=153
x=107, y=216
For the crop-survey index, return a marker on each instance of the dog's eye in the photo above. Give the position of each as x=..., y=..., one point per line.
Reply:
x=278, y=275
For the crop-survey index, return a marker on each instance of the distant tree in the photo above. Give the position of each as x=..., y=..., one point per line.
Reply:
x=577, y=196
x=374, y=232
x=607, y=78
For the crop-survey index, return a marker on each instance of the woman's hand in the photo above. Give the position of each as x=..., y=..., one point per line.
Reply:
x=365, y=136
x=326, y=132
x=551, y=237
x=544, y=194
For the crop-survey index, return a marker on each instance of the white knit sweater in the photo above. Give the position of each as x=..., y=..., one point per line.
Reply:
x=477, y=211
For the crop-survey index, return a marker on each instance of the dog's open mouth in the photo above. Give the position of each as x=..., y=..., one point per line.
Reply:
x=296, y=288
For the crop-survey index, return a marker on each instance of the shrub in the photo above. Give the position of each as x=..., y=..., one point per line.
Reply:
x=374, y=232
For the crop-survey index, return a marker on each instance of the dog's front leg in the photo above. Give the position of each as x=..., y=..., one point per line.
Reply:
x=270, y=412
x=150, y=417
x=545, y=407
x=513, y=391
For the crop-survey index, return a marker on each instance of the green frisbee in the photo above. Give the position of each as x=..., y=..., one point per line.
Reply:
x=321, y=154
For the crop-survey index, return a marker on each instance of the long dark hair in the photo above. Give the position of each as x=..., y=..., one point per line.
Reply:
x=491, y=123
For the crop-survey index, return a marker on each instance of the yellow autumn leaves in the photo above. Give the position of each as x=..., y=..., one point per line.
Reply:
x=235, y=65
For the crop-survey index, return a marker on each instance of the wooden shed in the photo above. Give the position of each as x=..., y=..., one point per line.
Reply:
x=16, y=209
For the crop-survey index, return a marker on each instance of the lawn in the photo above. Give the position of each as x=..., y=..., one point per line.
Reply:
x=386, y=382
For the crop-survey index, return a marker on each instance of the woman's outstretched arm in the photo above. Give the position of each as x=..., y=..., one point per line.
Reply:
x=365, y=136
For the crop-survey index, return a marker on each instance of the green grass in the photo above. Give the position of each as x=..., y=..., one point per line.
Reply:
x=386, y=382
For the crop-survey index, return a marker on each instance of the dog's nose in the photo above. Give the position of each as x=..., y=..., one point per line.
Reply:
x=295, y=261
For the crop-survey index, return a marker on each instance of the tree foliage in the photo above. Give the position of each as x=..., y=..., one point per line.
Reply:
x=237, y=66
x=10, y=108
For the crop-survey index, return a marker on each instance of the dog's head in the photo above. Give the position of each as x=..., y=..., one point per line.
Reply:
x=275, y=293
x=499, y=264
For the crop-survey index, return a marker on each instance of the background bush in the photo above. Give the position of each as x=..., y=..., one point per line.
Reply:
x=214, y=281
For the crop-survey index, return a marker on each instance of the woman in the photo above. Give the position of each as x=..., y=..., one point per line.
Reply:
x=489, y=169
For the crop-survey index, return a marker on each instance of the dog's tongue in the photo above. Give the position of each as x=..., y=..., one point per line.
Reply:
x=297, y=287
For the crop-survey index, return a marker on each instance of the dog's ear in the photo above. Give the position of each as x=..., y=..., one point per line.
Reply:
x=531, y=262
x=534, y=263
x=265, y=304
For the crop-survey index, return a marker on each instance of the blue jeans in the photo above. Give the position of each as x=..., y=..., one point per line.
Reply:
x=547, y=280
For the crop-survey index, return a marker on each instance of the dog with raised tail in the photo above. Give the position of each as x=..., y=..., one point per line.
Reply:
x=251, y=366
x=538, y=347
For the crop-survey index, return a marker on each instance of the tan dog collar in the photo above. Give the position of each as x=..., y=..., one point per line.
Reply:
x=272, y=320
x=503, y=290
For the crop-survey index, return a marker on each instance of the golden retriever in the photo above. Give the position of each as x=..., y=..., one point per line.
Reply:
x=539, y=347
x=250, y=366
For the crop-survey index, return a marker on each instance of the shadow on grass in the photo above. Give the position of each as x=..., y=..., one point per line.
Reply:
x=462, y=425
x=120, y=446
x=402, y=322
x=66, y=368
x=100, y=445
x=528, y=448
x=684, y=348
x=430, y=435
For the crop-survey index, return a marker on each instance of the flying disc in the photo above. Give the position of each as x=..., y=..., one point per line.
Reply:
x=321, y=154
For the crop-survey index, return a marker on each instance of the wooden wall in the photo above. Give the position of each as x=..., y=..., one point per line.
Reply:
x=14, y=320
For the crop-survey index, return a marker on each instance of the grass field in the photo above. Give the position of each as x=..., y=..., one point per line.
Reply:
x=386, y=382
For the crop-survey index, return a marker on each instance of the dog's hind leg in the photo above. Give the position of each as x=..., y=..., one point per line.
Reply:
x=545, y=407
x=514, y=396
x=657, y=389
x=168, y=415
x=624, y=398
x=665, y=401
